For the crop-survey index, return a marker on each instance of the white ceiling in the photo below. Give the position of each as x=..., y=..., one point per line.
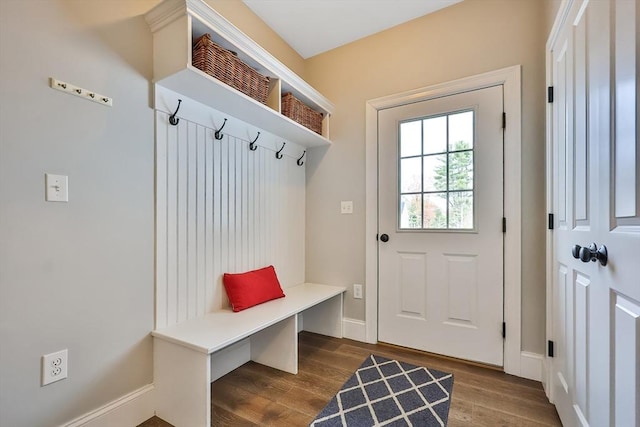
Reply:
x=315, y=26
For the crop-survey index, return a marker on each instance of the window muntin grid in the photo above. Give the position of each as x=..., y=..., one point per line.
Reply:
x=436, y=179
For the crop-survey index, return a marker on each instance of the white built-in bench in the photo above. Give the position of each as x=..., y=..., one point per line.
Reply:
x=190, y=355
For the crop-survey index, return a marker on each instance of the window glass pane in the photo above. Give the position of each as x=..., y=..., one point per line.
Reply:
x=435, y=172
x=410, y=175
x=410, y=211
x=436, y=165
x=461, y=170
x=461, y=209
x=410, y=139
x=435, y=135
x=435, y=210
x=461, y=131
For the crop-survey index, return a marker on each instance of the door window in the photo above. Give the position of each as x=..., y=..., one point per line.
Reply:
x=436, y=179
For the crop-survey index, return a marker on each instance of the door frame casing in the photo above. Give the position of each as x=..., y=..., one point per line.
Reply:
x=510, y=78
x=559, y=21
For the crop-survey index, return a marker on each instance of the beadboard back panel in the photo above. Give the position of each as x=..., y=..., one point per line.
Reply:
x=221, y=208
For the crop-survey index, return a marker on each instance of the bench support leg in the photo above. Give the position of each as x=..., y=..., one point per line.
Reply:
x=324, y=318
x=277, y=345
x=182, y=389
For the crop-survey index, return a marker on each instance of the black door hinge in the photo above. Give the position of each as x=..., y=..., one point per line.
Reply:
x=550, y=94
x=504, y=120
x=504, y=224
x=550, y=348
x=504, y=330
x=550, y=221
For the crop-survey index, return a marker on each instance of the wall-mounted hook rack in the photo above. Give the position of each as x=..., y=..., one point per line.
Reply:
x=218, y=135
x=252, y=144
x=172, y=118
x=278, y=155
x=300, y=162
x=80, y=92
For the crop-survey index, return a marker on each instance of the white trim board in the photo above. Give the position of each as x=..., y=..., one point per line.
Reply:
x=532, y=365
x=129, y=410
x=510, y=78
x=354, y=329
x=563, y=11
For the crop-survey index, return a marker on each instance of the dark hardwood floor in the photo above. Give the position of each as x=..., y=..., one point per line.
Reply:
x=255, y=395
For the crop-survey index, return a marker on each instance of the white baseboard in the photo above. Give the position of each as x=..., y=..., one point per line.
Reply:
x=531, y=365
x=129, y=410
x=354, y=329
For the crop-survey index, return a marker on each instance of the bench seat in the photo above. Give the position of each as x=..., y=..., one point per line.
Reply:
x=221, y=328
x=188, y=356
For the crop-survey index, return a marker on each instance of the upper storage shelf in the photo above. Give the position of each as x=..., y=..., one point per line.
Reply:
x=176, y=24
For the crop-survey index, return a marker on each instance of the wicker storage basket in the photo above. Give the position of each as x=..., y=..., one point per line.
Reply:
x=299, y=112
x=225, y=66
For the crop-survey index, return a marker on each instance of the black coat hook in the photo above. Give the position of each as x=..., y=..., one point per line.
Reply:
x=172, y=118
x=278, y=155
x=218, y=135
x=300, y=162
x=252, y=144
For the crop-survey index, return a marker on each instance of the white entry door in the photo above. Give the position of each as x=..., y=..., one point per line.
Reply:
x=440, y=220
x=595, y=304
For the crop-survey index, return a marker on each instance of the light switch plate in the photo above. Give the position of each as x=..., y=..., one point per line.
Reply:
x=346, y=207
x=57, y=188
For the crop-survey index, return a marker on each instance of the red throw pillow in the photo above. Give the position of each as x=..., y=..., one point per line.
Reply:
x=252, y=288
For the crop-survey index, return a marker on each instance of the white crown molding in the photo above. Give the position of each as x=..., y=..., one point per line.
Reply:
x=165, y=13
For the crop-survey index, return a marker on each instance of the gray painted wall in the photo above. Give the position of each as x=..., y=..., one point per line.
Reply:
x=75, y=275
x=469, y=38
x=80, y=275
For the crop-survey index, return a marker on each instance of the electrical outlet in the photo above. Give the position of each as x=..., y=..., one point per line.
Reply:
x=357, y=291
x=55, y=366
x=346, y=207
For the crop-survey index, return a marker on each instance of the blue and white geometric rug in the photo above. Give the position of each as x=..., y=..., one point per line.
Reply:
x=385, y=392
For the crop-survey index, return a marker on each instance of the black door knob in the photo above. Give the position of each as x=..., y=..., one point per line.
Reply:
x=575, y=251
x=591, y=253
x=602, y=255
x=585, y=253
x=384, y=237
